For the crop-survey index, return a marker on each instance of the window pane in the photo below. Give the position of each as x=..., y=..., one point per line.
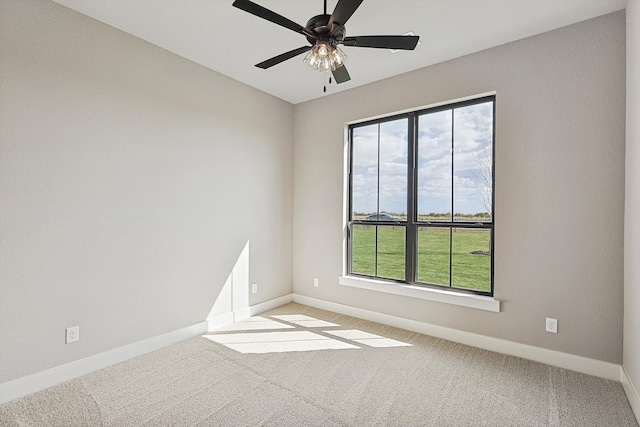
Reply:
x=363, y=249
x=453, y=191
x=391, y=252
x=365, y=171
x=434, y=166
x=393, y=167
x=472, y=162
x=471, y=259
x=433, y=255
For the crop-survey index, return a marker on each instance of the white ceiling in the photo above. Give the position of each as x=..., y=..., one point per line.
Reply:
x=228, y=40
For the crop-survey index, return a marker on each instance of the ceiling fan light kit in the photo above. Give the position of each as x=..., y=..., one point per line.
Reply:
x=324, y=33
x=324, y=57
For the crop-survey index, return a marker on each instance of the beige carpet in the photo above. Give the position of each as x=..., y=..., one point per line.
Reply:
x=298, y=366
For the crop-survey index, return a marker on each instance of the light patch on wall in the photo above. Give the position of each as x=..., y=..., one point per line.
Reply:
x=234, y=295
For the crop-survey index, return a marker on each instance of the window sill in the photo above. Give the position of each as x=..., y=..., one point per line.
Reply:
x=448, y=297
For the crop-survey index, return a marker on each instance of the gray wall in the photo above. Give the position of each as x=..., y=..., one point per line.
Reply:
x=631, y=360
x=560, y=143
x=131, y=181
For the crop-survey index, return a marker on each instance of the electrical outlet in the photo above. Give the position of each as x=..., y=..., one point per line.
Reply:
x=254, y=288
x=72, y=334
x=552, y=325
x=315, y=282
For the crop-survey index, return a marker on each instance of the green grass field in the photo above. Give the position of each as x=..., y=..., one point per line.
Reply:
x=466, y=269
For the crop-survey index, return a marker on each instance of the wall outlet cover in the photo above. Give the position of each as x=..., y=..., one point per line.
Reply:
x=72, y=334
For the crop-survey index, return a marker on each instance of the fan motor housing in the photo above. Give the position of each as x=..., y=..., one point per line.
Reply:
x=318, y=26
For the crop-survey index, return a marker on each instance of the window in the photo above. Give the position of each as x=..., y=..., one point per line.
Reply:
x=421, y=197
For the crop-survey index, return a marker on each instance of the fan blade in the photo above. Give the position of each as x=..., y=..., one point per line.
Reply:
x=383, y=42
x=264, y=13
x=341, y=14
x=341, y=74
x=282, y=57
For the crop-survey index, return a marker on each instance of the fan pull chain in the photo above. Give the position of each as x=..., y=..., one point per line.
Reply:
x=324, y=89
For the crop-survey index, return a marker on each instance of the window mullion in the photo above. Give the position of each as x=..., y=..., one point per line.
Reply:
x=378, y=202
x=410, y=231
x=350, y=204
x=378, y=178
x=453, y=212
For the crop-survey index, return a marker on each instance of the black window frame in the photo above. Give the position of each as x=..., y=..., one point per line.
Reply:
x=412, y=222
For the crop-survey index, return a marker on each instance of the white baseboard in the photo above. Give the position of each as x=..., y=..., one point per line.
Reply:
x=271, y=304
x=246, y=312
x=20, y=387
x=59, y=374
x=23, y=386
x=631, y=391
x=572, y=362
x=241, y=314
x=220, y=321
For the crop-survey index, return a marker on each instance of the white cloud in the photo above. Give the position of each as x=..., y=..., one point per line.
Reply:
x=392, y=167
x=471, y=159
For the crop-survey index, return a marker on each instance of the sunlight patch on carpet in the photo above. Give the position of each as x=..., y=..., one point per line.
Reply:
x=278, y=342
x=305, y=321
x=366, y=338
x=255, y=324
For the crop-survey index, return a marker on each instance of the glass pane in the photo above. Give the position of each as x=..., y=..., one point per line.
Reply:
x=391, y=252
x=472, y=162
x=394, y=147
x=363, y=249
x=365, y=171
x=434, y=166
x=471, y=259
x=433, y=255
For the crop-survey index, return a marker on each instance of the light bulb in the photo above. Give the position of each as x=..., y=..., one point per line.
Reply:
x=308, y=57
x=339, y=55
x=322, y=50
x=324, y=57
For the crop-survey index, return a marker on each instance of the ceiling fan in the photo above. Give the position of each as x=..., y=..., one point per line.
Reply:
x=324, y=33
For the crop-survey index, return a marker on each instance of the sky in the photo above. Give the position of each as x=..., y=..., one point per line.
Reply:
x=471, y=162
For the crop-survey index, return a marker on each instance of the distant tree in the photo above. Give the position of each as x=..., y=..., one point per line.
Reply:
x=485, y=175
x=485, y=188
